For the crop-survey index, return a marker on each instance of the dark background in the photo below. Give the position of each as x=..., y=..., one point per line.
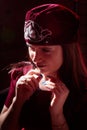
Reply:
x=12, y=44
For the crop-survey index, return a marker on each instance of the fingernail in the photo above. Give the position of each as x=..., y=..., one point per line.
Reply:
x=39, y=77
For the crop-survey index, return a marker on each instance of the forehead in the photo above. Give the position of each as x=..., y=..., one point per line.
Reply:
x=50, y=46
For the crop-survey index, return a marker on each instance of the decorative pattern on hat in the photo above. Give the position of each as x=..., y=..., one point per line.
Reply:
x=51, y=24
x=35, y=33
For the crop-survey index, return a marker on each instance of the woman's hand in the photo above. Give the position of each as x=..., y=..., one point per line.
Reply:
x=59, y=93
x=59, y=96
x=26, y=86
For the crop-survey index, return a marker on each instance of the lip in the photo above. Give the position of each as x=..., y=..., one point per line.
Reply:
x=41, y=65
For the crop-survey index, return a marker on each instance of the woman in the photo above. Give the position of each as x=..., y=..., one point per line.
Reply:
x=50, y=92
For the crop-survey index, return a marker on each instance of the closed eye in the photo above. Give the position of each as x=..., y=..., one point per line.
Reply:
x=46, y=50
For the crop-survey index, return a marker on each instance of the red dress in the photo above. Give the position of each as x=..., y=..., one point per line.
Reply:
x=35, y=112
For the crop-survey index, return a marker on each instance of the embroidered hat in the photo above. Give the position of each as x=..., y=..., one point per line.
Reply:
x=50, y=24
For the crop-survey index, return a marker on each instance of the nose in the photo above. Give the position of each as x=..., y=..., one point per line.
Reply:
x=37, y=56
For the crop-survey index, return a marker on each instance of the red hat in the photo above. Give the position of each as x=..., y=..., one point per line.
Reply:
x=50, y=24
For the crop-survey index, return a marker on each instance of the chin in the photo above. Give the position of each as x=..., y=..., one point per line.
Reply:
x=43, y=71
x=46, y=73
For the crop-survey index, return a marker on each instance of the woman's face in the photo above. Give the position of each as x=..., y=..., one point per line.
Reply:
x=48, y=59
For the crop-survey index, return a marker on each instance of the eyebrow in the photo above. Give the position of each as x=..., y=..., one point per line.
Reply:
x=41, y=47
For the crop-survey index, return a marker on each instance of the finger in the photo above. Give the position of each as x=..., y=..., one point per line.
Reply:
x=29, y=86
x=53, y=97
x=33, y=82
x=47, y=87
x=33, y=71
x=60, y=86
x=43, y=83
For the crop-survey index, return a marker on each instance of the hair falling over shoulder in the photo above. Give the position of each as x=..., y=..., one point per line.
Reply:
x=74, y=71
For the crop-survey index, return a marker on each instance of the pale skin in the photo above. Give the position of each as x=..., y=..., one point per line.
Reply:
x=47, y=59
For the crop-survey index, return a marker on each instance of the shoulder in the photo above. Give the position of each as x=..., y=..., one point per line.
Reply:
x=17, y=70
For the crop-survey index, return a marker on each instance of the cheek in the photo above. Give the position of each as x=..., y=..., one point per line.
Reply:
x=56, y=61
x=31, y=55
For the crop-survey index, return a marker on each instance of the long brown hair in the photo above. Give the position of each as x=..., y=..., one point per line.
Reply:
x=73, y=71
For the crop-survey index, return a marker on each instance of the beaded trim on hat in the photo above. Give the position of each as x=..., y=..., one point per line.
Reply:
x=35, y=33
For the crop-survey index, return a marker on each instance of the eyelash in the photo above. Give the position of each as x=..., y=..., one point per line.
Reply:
x=46, y=50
